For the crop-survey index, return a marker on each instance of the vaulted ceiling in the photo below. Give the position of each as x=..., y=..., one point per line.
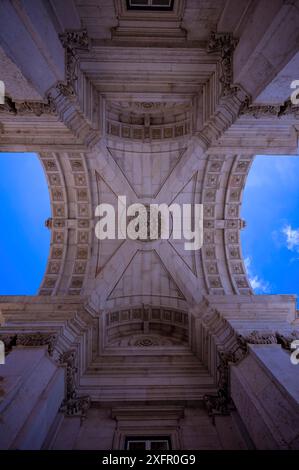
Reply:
x=154, y=106
x=162, y=107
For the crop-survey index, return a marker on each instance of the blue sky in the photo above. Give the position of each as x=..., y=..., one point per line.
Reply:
x=24, y=240
x=270, y=241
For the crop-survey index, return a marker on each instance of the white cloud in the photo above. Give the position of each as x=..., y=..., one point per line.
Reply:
x=258, y=285
x=292, y=237
x=247, y=262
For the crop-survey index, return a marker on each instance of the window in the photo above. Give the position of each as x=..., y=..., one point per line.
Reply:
x=148, y=443
x=156, y=5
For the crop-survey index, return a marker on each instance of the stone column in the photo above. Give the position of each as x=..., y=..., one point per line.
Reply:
x=265, y=390
x=32, y=390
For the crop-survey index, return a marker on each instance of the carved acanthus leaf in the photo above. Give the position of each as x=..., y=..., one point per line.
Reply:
x=225, y=44
x=72, y=40
x=28, y=107
x=36, y=340
x=259, y=111
x=9, y=341
x=29, y=340
x=286, y=340
x=255, y=337
x=221, y=404
x=75, y=39
x=73, y=404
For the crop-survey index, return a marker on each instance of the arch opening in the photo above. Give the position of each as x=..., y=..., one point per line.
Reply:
x=270, y=241
x=24, y=238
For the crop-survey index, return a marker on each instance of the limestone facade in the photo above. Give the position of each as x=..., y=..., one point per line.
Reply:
x=131, y=338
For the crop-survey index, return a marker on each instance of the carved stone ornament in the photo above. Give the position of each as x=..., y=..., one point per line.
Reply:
x=224, y=43
x=286, y=340
x=73, y=404
x=255, y=337
x=28, y=107
x=221, y=404
x=264, y=111
x=75, y=39
x=72, y=40
x=9, y=341
x=49, y=223
x=30, y=340
x=36, y=340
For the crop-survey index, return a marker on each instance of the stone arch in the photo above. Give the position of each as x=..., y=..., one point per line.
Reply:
x=222, y=189
x=69, y=189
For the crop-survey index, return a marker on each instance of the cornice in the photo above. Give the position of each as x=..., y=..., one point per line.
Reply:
x=269, y=111
x=29, y=340
x=36, y=108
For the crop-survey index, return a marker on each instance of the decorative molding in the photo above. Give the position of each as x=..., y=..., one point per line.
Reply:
x=286, y=340
x=83, y=232
x=147, y=313
x=148, y=132
x=230, y=348
x=146, y=341
x=67, y=219
x=57, y=223
x=72, y=40
x=223, y=183
x=233, y=199
x=49, y=223
x=265, y=111
x=76, y=99
x=148, y=121
x=75, y=39
x=37, y=340
x=73, y=404
x=256, y=337
x=209, y=192
x=221, y=404
x=37, y=108
x=9, y=341
x=31, y=340
x=225, y=44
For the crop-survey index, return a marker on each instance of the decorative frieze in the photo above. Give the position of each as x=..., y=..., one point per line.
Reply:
x=256, y=337
x=150, y=132
x=145, y=314
x=269, y=111
x=32, y=340
x=36, y=108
